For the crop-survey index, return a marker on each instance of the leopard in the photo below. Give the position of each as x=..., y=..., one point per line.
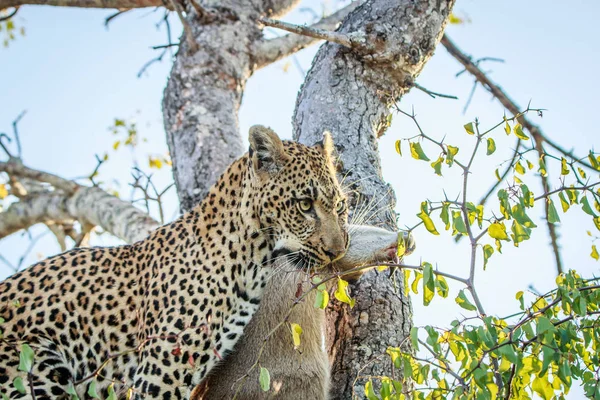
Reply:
x=151, y=319
x=303, y=371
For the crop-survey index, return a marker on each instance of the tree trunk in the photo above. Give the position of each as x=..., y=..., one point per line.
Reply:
x=350, y=95
x=204, y=92
x=349, y=92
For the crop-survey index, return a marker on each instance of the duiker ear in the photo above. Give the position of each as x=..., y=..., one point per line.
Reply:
x=266, y=149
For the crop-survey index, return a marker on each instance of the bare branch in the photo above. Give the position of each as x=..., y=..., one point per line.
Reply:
x=268, y=51
x=17, y=169
x=70, y=202
x=187, y=29
x=506, y=101
x=120, y=4
x=538, y=137
x=10, y=15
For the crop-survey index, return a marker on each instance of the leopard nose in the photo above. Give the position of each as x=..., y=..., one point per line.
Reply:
x=334, y=254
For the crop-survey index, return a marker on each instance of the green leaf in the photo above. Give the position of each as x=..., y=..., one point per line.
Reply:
x=369, y=392
x=401, y=246
x=396, y=354
x=497, y=230
x=594, y=254
x=19, y=385
x=414, y=338
x=417, y=152
x=25, y=358
x=398, y=147
x=341, y=293
x=386, y=389
x=296, y=332
x=458, y=224
x=264, y=379
x=462, y=301
x=72, y=392
x=441, y=286
x=322, y=299
x=508, y=352
x=444, y=215
x=553, y=217
x=528, y=197
x=520, y=233
x=487, y=253
x=469, y=128
x=452, y=151
x=593, y=161
x=564, y=168
x=111, y=392
x=428, y=283
x=491, y=146
x=92, y=392
x=424, y=216
x=519, y=296
x=518, y=130
x=544, y=325
x=563, y=202
x=542, y=170
x=585, y=206
x=437, y=166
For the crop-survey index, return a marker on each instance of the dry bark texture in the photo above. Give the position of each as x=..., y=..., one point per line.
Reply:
x=349, y=93
x=50, y=199
x=205, y=89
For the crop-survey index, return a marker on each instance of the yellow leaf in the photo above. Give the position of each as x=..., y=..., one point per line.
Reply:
x=286, y=66
x=519, y=168
x=453, y=19
x=564, y=169
x=341, y=293
x=3, y=191
x=594, y=254
x=154, y=162
x=296, y=332
x=116, y=144
x=427, y=219
x=497, y=230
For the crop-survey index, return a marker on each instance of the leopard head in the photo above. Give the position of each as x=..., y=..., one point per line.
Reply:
x=299, y=201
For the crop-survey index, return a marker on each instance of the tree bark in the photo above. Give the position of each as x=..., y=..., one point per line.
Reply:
x=121, y=4
x=204, y=92
x=350, y=94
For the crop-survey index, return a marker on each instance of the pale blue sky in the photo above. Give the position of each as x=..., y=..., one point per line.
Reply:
x=74, y=77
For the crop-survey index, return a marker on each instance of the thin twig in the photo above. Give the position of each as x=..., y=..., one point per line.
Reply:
x=189, y=34
x=334, y=37
x=538, y=137
x=113, y=16
x=9, y=16
x=434, y=94
x=16, y=133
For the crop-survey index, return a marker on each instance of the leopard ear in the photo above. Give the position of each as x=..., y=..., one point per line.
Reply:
x=266, y=149
x=326, y=146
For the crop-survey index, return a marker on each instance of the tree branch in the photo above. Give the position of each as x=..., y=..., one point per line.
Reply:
x=316, y=33
x=269, y=51
x=121, y=4
x=70, y=202
x=538, y=137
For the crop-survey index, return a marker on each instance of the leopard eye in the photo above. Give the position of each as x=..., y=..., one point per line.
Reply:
x=305, y=205
x=340, y=207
